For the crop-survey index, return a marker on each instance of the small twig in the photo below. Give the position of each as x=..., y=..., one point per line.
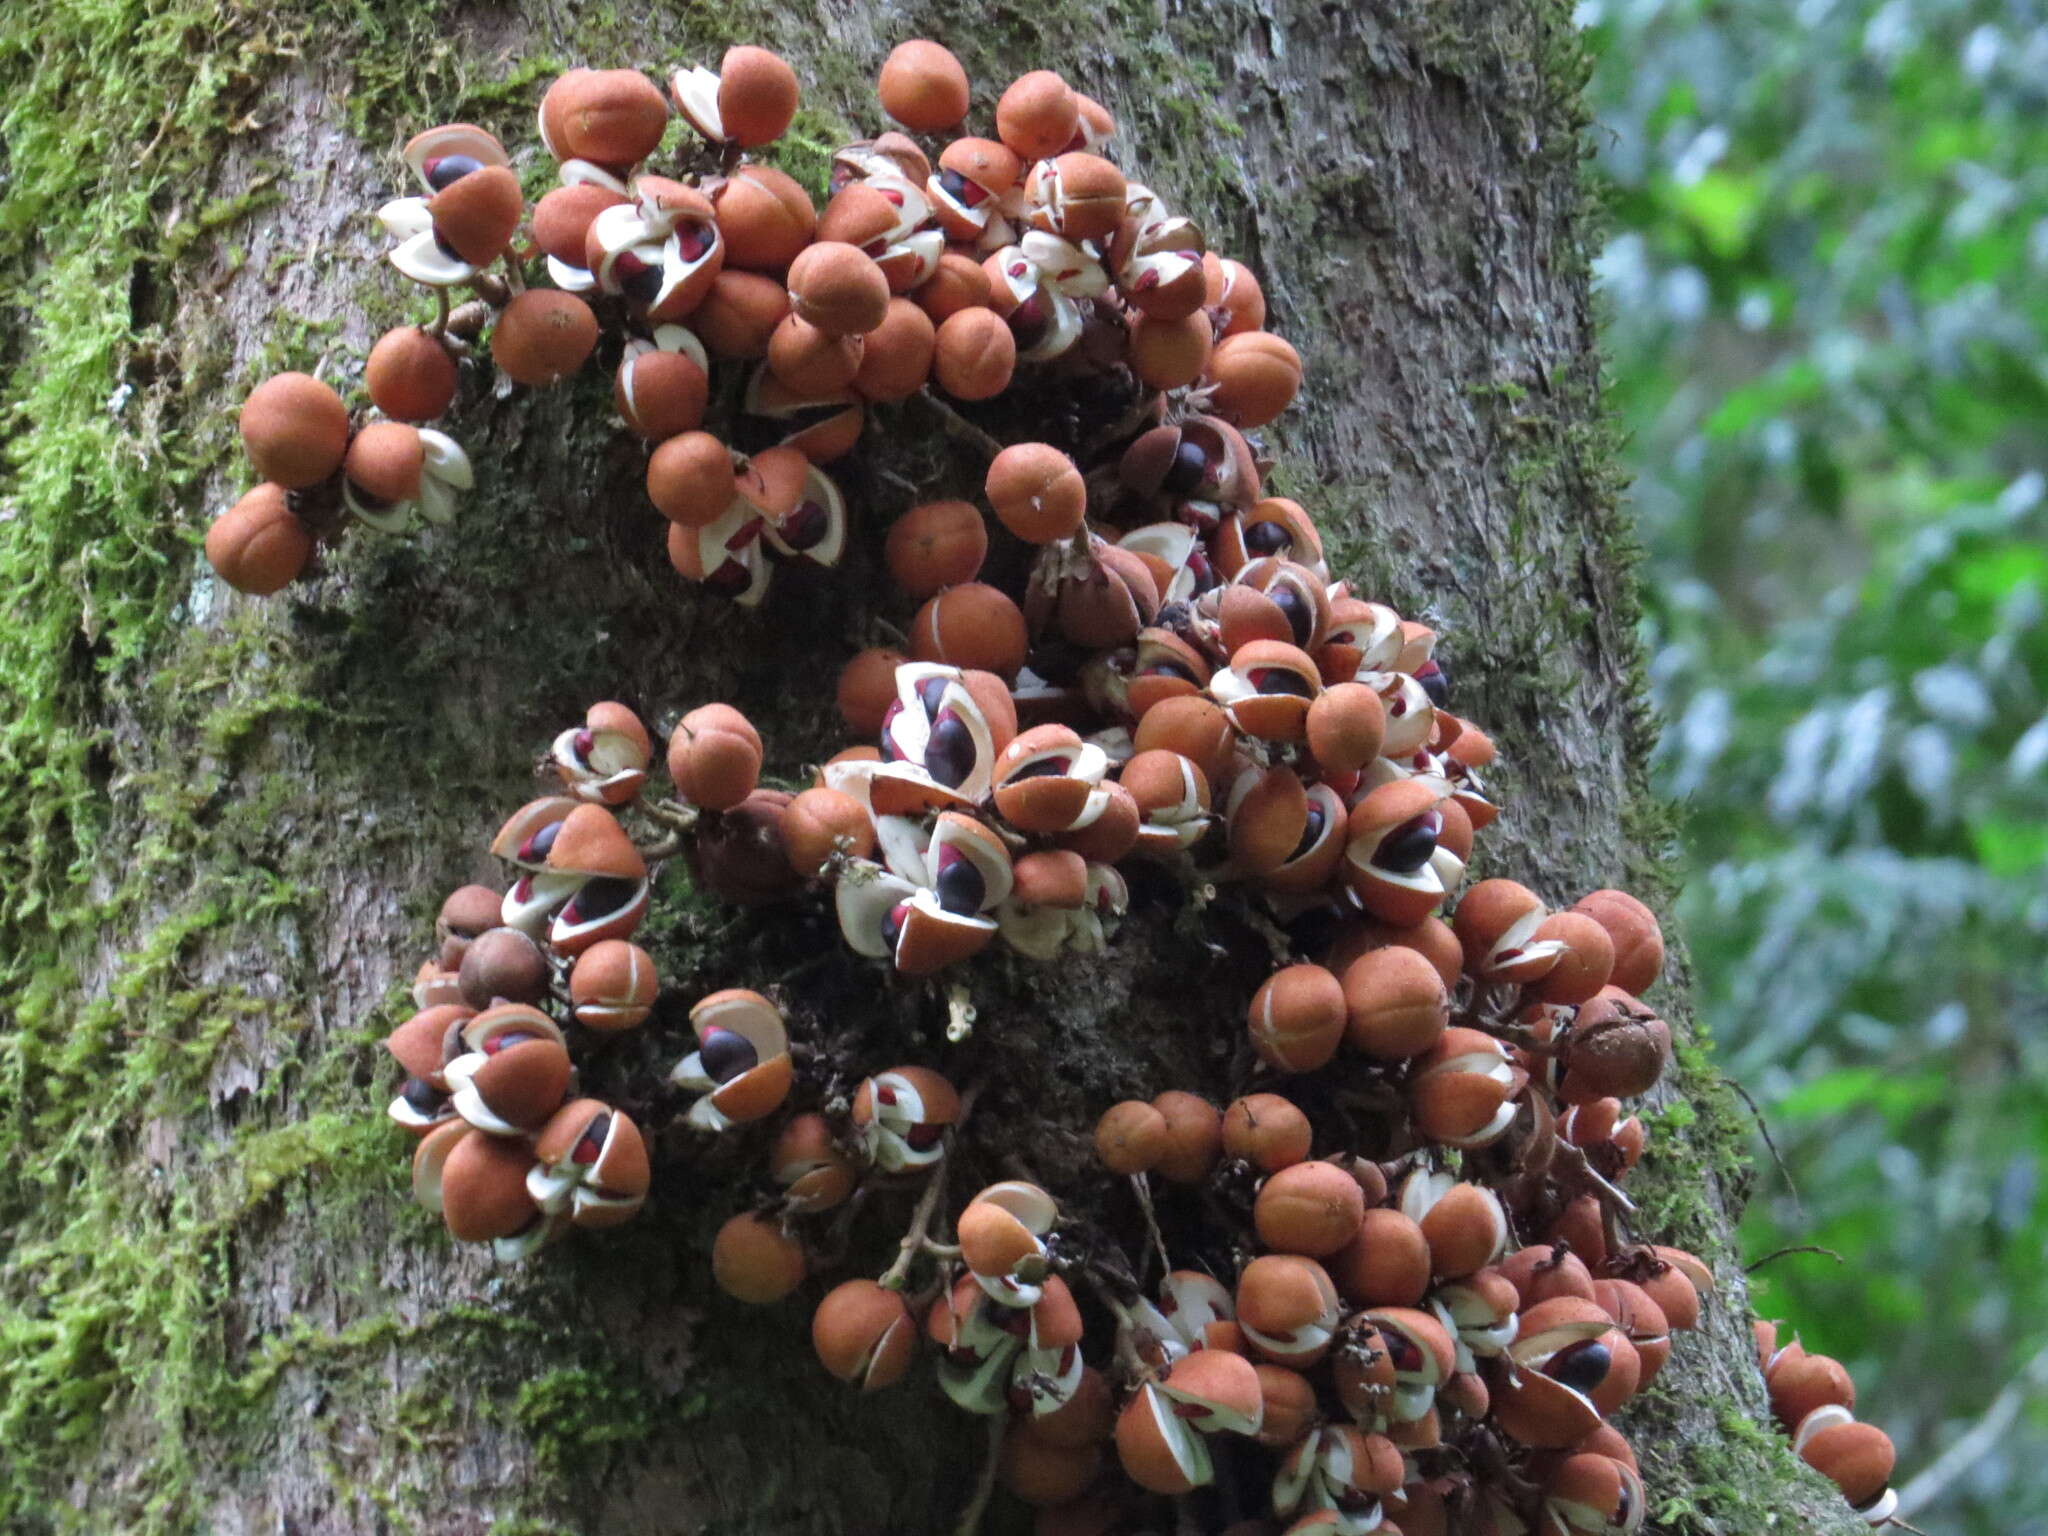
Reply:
x=915, y=1240
x=1764, y=1131
x=1779, y=1253
x=672, y=813
x=440, y=321
x=958, y=426
x=894, y=1277
x=1573, y=1159
x=667, y=846
x=1142, y=1186
x=985, y=1484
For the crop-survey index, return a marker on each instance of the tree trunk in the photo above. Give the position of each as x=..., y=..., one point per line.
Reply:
x=228, y=824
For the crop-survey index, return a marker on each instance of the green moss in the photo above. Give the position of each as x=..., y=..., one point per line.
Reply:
x=573, y=1413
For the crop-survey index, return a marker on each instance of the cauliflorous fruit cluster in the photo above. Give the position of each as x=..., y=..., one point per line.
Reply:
x=1394, y=1287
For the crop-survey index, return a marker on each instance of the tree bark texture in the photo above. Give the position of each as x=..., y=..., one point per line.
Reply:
x=229, y=823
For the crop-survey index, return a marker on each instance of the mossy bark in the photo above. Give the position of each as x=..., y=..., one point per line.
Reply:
x=226, y=824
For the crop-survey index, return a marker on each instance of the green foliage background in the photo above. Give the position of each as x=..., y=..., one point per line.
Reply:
x=1828, y=281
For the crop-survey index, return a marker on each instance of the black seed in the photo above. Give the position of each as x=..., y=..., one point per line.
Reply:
x=954, y=185
x=931, y=693
x=1311, y=834
x=1057, y=661
x=1213, y=844
x=961, y=886
x=892, y=930
x=725, y=1054
x=449, y=169
x=537, y=846
x=590, y=1145
x=601, y=898
x=423, y=1096
x=923, y=1137
x=1580, y=1366
x=1189, y=466
x=1402, y=1350
x=1171, y=669
x=949, y=754
x=1436, y=682
x=1203, y=572
x=1408, y=847
x=444, y=247
x=806, y=527
x=1273, y=680
x=637, y=281
x=1044, y=768
x=1301, y=618
x=1268, y=538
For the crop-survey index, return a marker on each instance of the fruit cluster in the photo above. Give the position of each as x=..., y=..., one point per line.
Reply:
x=1401, y=1295
x=1029, y=248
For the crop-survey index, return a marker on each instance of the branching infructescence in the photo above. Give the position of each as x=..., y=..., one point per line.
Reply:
x=1424, y=1328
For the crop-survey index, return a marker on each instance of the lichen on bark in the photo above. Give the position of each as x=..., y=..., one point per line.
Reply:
x=227, y=826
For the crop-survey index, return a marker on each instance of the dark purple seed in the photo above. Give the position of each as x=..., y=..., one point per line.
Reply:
x=961, y=885
x=444, y=247
x=601, y=898
x=1268, y=538
x=1301, y=618
x=730, y=579
x=445, y=170
x=505, y=1039
x=1403, y=1351
x=1203, y=572
x=922, y=1138
x=931, y=693
x=423, y=1097
x=806, y=527
x=892, y=930
x=536, y=847
x=1624, y=1506
x=1581, y=1367
x=725, y=1054
x=1408, y=847
x=1044, y=768
x=590, y=1145
x=1436, y=682
x=1190, y=464
x=961, y=190
x=1277, y=680
x=949, y=753
x=1311, y=833
x=1171, y=669
x=1029, y=322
